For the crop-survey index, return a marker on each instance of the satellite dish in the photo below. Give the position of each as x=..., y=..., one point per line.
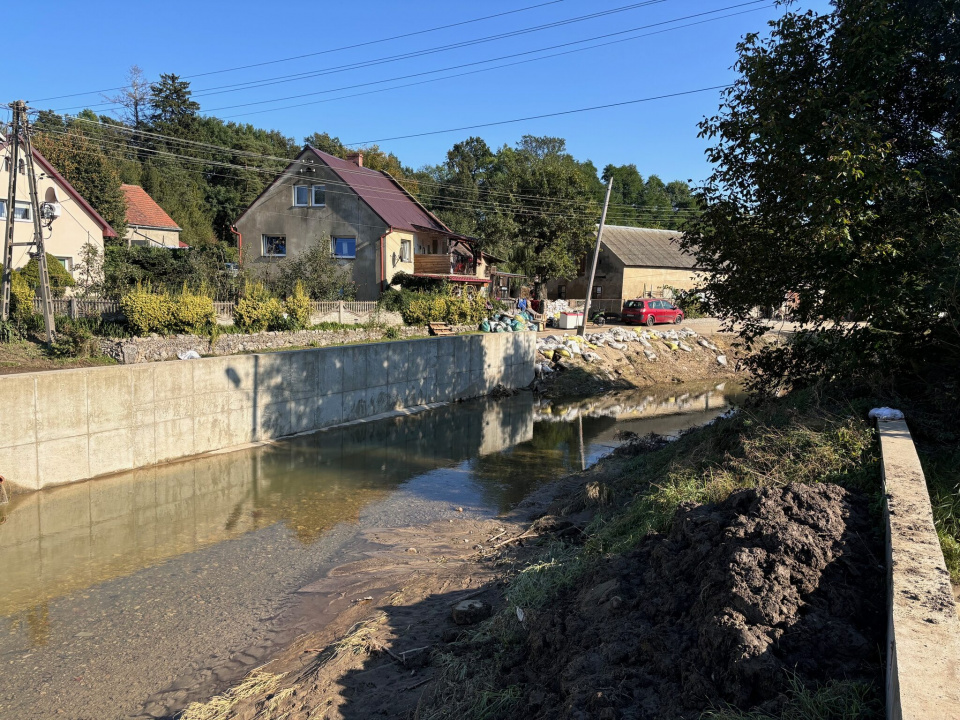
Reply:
x=51, y=195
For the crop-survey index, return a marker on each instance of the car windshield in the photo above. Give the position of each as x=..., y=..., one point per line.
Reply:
x=634, y=304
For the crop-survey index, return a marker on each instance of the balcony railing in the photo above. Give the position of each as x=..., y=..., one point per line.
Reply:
x=447, y=264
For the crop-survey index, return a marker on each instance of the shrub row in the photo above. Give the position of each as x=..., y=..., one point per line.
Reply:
x=157, y=311
x=257, y=310
x=420, y=308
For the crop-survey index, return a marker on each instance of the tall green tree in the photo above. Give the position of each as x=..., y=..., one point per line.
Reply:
x=546, y=237
x=837, y=185
x=85, y=166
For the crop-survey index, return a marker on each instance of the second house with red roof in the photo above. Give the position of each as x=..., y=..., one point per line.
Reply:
x=369, y=220
x=148, y=224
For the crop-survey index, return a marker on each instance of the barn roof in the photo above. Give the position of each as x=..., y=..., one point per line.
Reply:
x=646, y=247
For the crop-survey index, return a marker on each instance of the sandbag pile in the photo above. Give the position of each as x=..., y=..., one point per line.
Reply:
x=502, y=322
x=555, y=349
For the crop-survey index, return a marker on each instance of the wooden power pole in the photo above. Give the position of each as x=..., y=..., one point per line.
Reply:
x=19, y=140
x=596, y=254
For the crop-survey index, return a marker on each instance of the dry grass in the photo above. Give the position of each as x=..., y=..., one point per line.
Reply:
x=256, y=684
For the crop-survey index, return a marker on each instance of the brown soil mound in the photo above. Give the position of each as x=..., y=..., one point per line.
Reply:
x=719, y=610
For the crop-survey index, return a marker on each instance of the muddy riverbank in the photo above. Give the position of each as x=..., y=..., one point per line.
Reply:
x=770, y=556
x=133, y=595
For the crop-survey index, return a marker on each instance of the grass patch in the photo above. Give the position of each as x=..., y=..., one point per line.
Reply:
x=799, y=439
x=805, y=437
x=941, y=467
x=834, y=700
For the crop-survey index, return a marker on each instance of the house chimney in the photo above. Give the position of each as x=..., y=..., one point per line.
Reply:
x=356, y=158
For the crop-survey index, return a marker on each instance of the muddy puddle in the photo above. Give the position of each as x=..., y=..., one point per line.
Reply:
x=130, y=595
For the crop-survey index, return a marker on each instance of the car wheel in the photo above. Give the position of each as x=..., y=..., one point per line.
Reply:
x=600, y=321
x=678, y=319
x=650, y=321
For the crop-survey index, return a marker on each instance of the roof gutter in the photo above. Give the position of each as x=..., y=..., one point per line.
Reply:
x=233, y=229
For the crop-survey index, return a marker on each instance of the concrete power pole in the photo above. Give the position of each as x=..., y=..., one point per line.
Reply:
x=21, y=126
x=7, y=260
x=596, y=254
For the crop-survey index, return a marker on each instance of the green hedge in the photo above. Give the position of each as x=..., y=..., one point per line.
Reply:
x=149, y=311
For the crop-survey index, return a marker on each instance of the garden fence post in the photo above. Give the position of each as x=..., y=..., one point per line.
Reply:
x=340, y=311
x=73, y=311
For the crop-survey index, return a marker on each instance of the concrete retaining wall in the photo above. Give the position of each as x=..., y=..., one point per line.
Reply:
x=923, y=635
x=68, y=425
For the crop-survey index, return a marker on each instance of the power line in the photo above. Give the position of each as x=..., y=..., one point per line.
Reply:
x=538, y=117
x=253, y=84
x=496, y=67
x=401, y=196
x=325, y=52
x=455, y=204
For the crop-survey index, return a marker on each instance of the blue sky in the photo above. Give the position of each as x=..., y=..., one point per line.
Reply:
x=82, y=47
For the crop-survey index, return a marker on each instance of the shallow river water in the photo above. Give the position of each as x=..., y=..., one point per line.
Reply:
x=155, y=581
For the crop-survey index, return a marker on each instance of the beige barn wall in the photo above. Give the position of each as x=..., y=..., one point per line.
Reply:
x=638, y=280
x=69, y=233
x=139, y=235
x=68, y=425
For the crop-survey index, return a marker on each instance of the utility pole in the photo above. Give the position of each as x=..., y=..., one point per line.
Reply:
x=7, y=260
x=21, y=126
x=596, y=254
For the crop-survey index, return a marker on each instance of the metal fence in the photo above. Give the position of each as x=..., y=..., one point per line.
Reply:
x=77, y=307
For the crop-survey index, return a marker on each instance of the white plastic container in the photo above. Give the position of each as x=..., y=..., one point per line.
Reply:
x=570, y=320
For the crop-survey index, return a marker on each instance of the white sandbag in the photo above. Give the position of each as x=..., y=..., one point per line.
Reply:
x=885, y=414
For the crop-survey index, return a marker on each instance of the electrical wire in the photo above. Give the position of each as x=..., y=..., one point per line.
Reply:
x=401, y=196
x=763, y=3
x=472, y=206
x=325, y=52
x=253, y=84
x=536, y=117
x=286, y=161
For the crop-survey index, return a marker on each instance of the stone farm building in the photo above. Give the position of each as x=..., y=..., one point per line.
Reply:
x=634, y=262
x=369, y=220
x=78, y=225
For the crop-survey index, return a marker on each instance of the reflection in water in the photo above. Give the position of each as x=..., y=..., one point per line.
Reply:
x=572, y=435
x=65, y=539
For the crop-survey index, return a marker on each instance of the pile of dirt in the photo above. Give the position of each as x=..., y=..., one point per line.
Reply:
x=721, y=609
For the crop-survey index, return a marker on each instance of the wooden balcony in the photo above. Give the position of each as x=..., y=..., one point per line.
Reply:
x=446, y=264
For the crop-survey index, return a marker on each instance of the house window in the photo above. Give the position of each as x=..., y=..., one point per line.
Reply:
x=562, y=292
x=67, y=263
x=406, y=251
x=274, y=246
x=23, y=211
x=3, y=209
x=301, y=195
x=345, y=247
x=597, y=291
x=319, y=195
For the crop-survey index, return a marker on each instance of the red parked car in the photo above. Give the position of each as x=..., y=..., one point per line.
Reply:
x=650, y=311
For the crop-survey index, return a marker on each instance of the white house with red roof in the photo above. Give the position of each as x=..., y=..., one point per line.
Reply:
x=79, y=225
x=148, y=224
x=369, y=220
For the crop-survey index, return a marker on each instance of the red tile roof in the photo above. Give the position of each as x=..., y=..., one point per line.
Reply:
x=384, y=195
x=143, y=211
